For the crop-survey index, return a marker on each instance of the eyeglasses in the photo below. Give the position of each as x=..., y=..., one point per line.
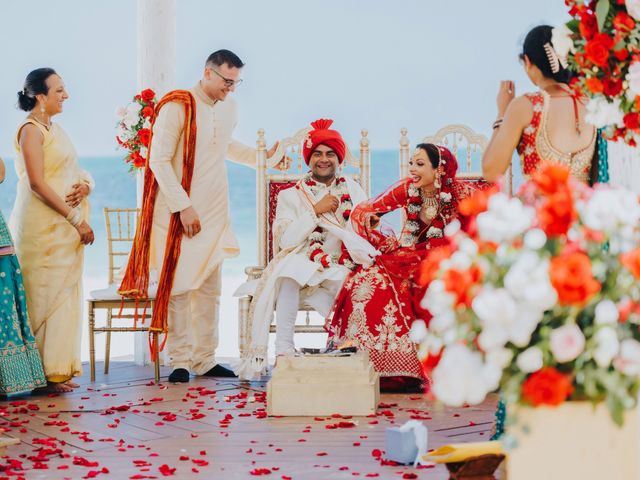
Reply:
x=227, y=81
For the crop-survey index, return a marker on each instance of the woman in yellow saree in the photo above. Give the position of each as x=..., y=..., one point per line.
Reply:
x=49, y=223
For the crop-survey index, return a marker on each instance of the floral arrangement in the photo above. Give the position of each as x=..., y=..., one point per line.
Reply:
x=602, y=45
x=537, y=297
x=133, y=131
x=318, y=236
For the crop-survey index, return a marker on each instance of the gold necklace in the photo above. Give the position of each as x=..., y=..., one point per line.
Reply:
x=46, y=125
x=430, y=204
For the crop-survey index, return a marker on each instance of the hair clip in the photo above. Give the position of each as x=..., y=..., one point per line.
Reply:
x=552, y=56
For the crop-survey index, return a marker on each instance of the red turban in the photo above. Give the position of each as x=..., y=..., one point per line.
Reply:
x=321, y=135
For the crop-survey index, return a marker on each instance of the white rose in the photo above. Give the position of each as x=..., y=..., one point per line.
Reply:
x=468, y=246
x=607, y=346
x=610, y=209
x=418, y=331
x=633, y=8
x=462, y=378
x=562, y=43
x=500, y=357
x=452, y=228
x=601, y=113
x=530, y=360
x=460, y=261
x=143, y=152
x=567, y=342
x=437, y=300
x=120, y=111
x=528, y=281
x=442, y=322
x=606, y=312
x=535, y=239
x=628, y=360
x=633, y=79
x=505, y=219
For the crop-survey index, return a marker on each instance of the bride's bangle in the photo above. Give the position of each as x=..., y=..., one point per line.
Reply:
x=74, y=217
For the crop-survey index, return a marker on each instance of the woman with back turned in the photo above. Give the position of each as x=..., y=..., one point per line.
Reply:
x=49, y=223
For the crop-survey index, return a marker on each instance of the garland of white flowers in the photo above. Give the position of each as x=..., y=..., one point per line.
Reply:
x=411, y=230
x=319, y=235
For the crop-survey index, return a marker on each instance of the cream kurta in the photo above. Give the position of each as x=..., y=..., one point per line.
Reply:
x=295, y=221
x=202, y=254
x=51, y=255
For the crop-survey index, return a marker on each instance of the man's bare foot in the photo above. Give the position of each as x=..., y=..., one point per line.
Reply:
x=72, y=384
x=54, y=388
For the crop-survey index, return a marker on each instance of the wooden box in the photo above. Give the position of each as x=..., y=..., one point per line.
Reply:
x=315, y=385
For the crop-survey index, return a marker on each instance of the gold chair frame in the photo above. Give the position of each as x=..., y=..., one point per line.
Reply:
x=121, y=227
x=264, y=178
x=452, y=137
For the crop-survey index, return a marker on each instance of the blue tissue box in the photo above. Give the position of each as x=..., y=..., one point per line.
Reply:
x=400, y=446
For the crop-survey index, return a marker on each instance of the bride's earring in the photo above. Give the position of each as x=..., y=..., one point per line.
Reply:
x=436, y=182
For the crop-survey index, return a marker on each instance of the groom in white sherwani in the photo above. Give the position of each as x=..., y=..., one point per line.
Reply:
x=310, y=260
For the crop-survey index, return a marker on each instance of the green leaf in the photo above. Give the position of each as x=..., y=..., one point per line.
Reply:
x=602, y=10
x=574, y=25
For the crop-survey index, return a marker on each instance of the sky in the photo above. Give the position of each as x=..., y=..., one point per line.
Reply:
x=375, y=64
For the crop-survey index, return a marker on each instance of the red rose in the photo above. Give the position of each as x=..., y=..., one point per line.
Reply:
x=623, y=22
x=345, y=198
x=547, y=386
x=137, y=160
x=144, y=134
x=147, y=112
x=631, y=121
x=597, y=53
x=147, y=95
x=588, y=26
x=621, y=55
x=612, y=86
x=346, y=214
x=412, y=216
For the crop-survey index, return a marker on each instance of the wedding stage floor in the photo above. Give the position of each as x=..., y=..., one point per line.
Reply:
x=125, y=426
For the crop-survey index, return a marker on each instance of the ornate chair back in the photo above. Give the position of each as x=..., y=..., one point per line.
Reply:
x=121, y=228
x=467, y=145
x=270, y=182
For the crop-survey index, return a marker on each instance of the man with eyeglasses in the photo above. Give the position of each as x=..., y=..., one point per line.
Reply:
x=206, y=237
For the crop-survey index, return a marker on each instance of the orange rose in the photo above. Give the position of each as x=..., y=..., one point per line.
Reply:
x=551, y=177
x=460, y=283
x=557, y=213
x=594, y=85
x=430, y=265
x=547, y=386
x=631, y=260
x=572, y=278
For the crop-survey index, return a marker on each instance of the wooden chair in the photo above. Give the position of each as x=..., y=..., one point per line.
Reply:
x=467, y=145
x=268, y=184
x=121, y=228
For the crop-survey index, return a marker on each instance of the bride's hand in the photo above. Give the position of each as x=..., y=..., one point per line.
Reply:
x=86, y=233
x=506, y=94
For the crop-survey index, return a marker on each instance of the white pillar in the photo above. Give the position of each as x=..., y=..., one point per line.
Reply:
x=156, y=70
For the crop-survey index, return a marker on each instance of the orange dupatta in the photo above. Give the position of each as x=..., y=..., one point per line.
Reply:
x=135, y=283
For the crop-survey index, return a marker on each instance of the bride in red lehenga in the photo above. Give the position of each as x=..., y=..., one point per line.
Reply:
x=377, y=305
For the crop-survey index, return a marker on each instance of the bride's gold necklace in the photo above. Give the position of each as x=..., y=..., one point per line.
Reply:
x=430, y=203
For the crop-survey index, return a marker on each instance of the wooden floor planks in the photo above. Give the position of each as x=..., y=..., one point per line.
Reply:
x=131, y=427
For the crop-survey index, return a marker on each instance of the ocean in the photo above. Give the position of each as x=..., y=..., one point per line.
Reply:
x=116, y=188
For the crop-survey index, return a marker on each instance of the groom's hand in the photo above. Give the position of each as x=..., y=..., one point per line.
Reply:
x=328, y=203
x=190, y=222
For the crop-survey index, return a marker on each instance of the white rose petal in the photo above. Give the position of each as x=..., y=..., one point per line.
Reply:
x=628, y=360
x=530, y=360
x=535, y=239
x=462, y=378
x=633, y=8
x=607, y=346
x=567, y=342
x=418, y=331
x=606, y=312
x=437, y=300
x=601, y=113
x=505, y=219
